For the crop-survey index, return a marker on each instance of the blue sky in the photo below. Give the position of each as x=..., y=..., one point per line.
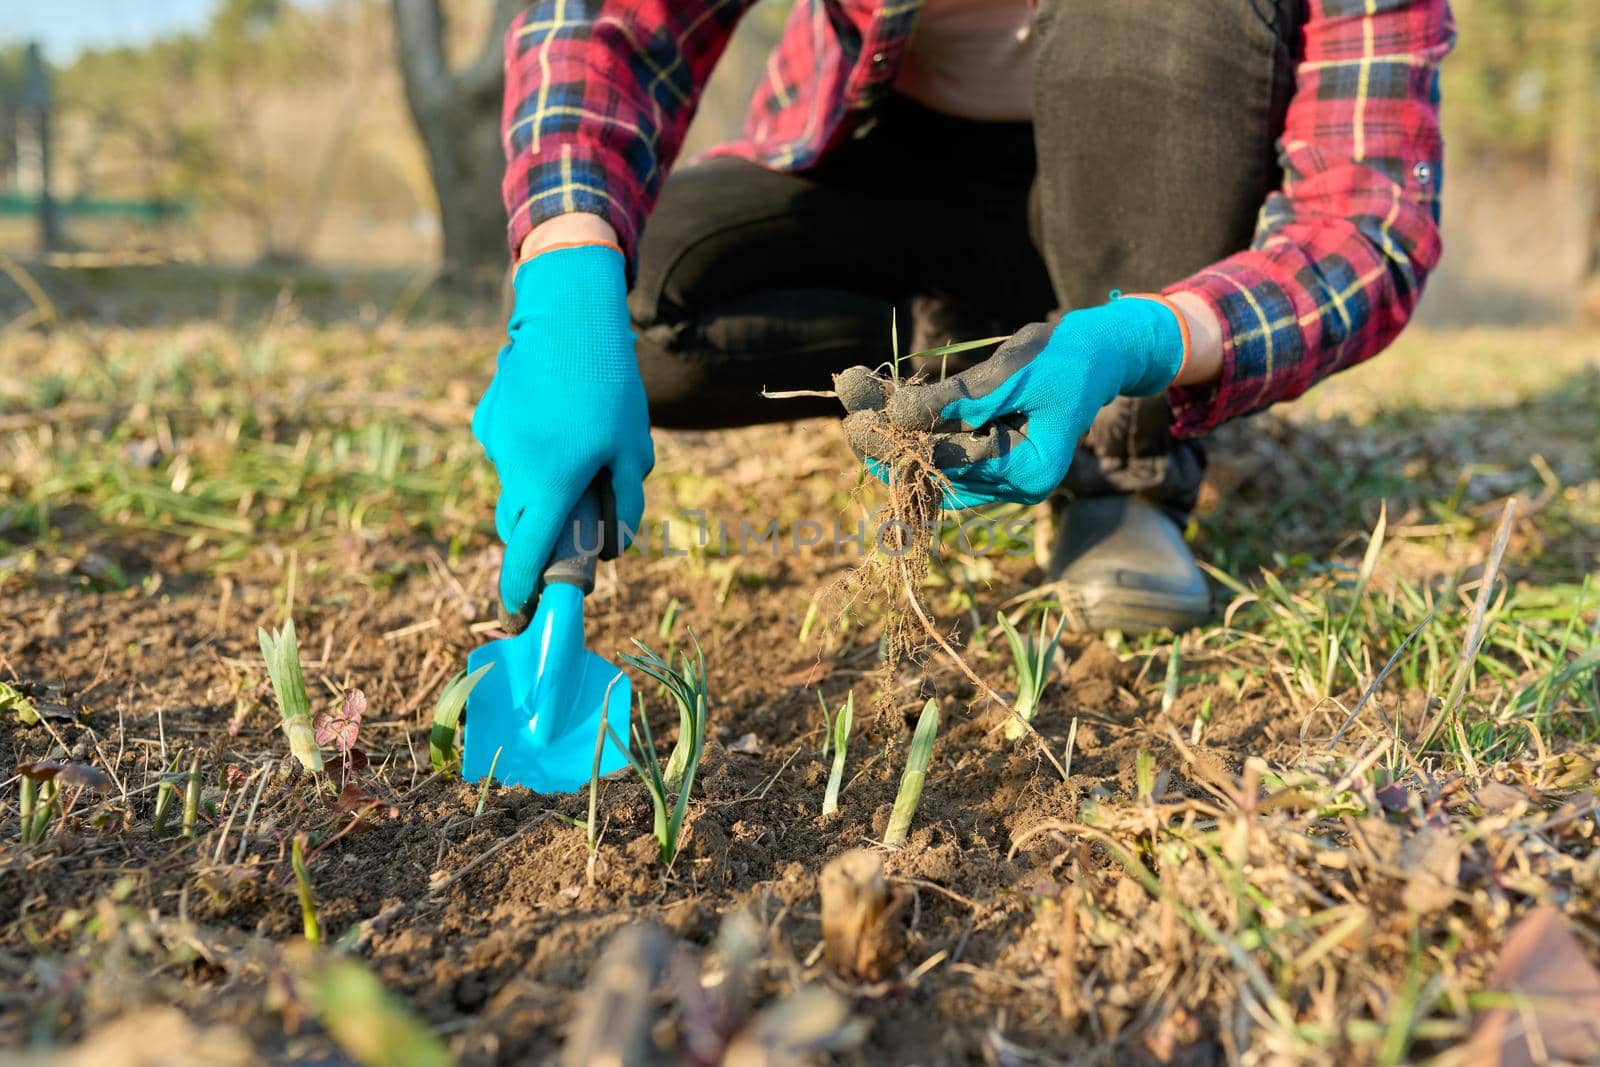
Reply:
x=66, y=27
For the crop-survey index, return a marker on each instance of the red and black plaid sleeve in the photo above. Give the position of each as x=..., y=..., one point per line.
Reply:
x=599, y=94
x=1342, y=250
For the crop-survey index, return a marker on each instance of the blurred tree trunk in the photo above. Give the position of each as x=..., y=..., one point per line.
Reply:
x=37, y=149
x=457, y=114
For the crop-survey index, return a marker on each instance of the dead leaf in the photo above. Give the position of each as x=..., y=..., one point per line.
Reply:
x=66, y=773
x=1543, y=961
x=1572, y=769
x=1394, y=797
x=1498, y=797
x=345, y=763
x=338, y=730
x=1572, y=812
x=1433, y=860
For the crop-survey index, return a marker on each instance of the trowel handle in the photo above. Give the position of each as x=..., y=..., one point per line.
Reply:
x=577, y=546
x=572, y=563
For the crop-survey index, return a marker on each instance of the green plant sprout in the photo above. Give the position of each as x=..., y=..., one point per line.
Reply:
x=691, y=742
x=442, y=751
x=687, y=687
x=592, y=829
x=1201, y=719
x=916, y=773
x=810, y=620
x=1144, y=775
x=39, y=794
x=302, y=878
x=371, y=1025
x=841, y=743
x=191, y=797
x=36, y=799
x=669, y=619
x=1032, y=656
x=282, y=654
x=14, y=703
x=488, y=779
x=166, y=792
x=1169, y=690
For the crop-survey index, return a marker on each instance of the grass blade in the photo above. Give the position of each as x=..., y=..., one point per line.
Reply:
x=483, y=790
x=1474, y=640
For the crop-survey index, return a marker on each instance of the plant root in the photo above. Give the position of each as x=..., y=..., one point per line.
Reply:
x=898, y=565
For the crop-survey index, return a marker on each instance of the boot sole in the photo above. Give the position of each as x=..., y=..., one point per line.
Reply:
x=1135, y=612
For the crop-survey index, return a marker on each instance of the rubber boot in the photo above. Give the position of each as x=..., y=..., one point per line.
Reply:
x=1121, y=564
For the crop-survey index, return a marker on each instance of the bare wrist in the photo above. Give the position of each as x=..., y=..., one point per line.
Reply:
x=574, y=228
x=1204, y=364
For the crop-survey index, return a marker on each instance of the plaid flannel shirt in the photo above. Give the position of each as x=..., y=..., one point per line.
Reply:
x=599, y=94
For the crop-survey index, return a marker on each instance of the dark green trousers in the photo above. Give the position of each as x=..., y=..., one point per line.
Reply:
x=1151, y=150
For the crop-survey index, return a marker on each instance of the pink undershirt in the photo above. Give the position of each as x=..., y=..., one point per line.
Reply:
x=972, y=59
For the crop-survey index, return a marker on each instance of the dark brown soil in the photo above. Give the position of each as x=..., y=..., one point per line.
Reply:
x=496, y=958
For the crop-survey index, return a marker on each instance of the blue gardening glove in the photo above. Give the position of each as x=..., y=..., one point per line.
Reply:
x=566, y=409
x=1007, y=429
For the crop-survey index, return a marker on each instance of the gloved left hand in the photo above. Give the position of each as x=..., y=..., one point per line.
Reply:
x=1007, y=429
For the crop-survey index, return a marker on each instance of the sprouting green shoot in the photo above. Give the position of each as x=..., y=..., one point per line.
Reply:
x=669, y=619
x=28, y=802
x=1201, y=718
x=894, y=345
x=687, y=686
x=841, y=744
x=809, y=621
x=166, y=793
x=916, y=773
x=691, y=742
x=302, y=878
x=1144, y=774
x=1169, y=691
x=45, y=809
x=18, y=705
x=944, y=352
x=283, y=665
x=191, y=798
x=447, y=718
x=370, y=1024
x=1032, y=655
x=594, y=770
x=483, y=790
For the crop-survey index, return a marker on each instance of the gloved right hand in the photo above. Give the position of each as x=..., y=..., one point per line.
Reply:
x=566, y=409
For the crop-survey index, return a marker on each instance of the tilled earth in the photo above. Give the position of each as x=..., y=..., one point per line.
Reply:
x=1032, y=934
x=491, y=944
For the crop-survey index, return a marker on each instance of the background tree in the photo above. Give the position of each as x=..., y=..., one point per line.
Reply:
x=458, y=118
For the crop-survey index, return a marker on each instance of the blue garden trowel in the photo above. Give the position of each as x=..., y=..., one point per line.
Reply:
x=541, y=704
